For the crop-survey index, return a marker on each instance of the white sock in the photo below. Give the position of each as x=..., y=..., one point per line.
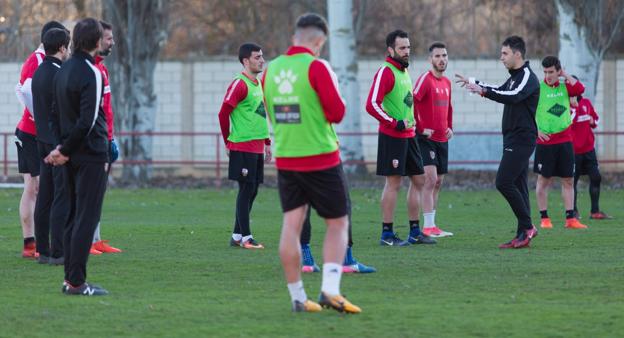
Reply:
x=297, y=293
x=237, y=237
x=429, y=219
x=246, y=238
x=331, y=278
x=96, y=235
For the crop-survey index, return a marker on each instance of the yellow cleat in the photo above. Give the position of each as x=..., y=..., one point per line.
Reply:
x=338, y=303
x=307, y=306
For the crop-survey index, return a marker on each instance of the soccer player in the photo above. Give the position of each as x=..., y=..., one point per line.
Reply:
x=434, y=125
x=303, y=101
x=50, y=217
x=246, y=138
x=554, y=155
x=349, y=265
x=99, y=245
x=25, y=140
x=83, y=151
x=390, y=101
x=520, y=95
x=584, y=120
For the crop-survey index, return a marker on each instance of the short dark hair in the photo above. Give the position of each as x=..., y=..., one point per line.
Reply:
x=245, y=50
x=312, y=20
x=54, y=39
x=550, y=61
x=49, y=25
x=106, y=26
x=437, y=44
x=87, y=34
x=392, y=36
x=516, y=44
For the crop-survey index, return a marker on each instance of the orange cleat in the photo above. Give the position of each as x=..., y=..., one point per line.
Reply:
x=103, y=247
x=573, y=223
x=94, y=251
x=546, y=223
x=30, y=251
x=251, y=244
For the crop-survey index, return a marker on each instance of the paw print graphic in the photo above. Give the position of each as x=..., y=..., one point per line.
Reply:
x=285, y=80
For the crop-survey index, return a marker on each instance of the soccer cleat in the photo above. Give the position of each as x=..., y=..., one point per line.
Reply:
x=103, y=247
x=421, y=238
x=307, y=306
x=94, y=251
x=545, y=223
x=57, y=261
x=577, y=214
x=85, y=289
x=509, y=245
x=252, y=244
x=310, y=268
x=338, y=303
x=573, y=223
x=43, y=259
x=524, y=240
x=599, y=215
x=235, y=243
x=436, y=232
x=390, y=239
x=358, y=267
x=30, y=251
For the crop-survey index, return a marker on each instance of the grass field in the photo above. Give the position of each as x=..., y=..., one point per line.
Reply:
x=178, y=277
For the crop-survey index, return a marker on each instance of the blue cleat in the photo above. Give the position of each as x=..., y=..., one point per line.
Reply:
x=389, y=238
x=417, y=237
x=307, y=261
x=351, y=265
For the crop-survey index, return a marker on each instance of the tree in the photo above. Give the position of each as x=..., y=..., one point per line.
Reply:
x=140, y=30
x=343, y=56
x=587, y=30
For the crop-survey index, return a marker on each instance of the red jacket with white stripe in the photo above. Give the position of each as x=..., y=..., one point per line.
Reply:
x=584, y=120
x=24, y=93
x=237, y=92
x=106, y=98
x=432, y=99
x=383, y=83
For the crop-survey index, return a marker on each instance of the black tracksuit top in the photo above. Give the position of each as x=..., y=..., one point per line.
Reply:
x=78, y=91
x=43, y=97
x=520, y=95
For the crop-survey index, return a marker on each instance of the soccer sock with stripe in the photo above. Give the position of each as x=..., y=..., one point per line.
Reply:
x=331, y=278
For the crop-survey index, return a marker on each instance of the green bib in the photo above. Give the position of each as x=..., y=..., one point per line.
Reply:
x=249, y=117
x=553, y=110
x=296, y=114
x=399, y=102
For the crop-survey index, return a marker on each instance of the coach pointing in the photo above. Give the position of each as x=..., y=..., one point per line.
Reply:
x=520, y=95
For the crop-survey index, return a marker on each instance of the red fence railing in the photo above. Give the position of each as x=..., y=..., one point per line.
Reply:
x=220, y=162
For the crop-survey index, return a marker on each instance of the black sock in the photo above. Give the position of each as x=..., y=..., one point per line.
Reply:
x=28, y=240
x=386, y=227
x=414, y=224
x=569, y=214
x=544, y=213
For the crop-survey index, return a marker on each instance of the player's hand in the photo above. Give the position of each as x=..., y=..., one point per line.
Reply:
x=427, y=132
x=56, y=158
x=461, y=80
x=475, y=88
x=268, y=155
x=543, y=136
x=449, y=133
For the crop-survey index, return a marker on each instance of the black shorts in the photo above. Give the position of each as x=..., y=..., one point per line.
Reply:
x=554, y=160
x=246, y=167
x=586, y=163
x=434, y=153
x=27, y=153
x=325, y=190
x=398, y=156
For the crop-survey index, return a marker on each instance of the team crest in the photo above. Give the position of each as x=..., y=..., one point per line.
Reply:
x=409, y=99
x=244, y=172
x=432, y=154
x=539, y=167
x=395, y=163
